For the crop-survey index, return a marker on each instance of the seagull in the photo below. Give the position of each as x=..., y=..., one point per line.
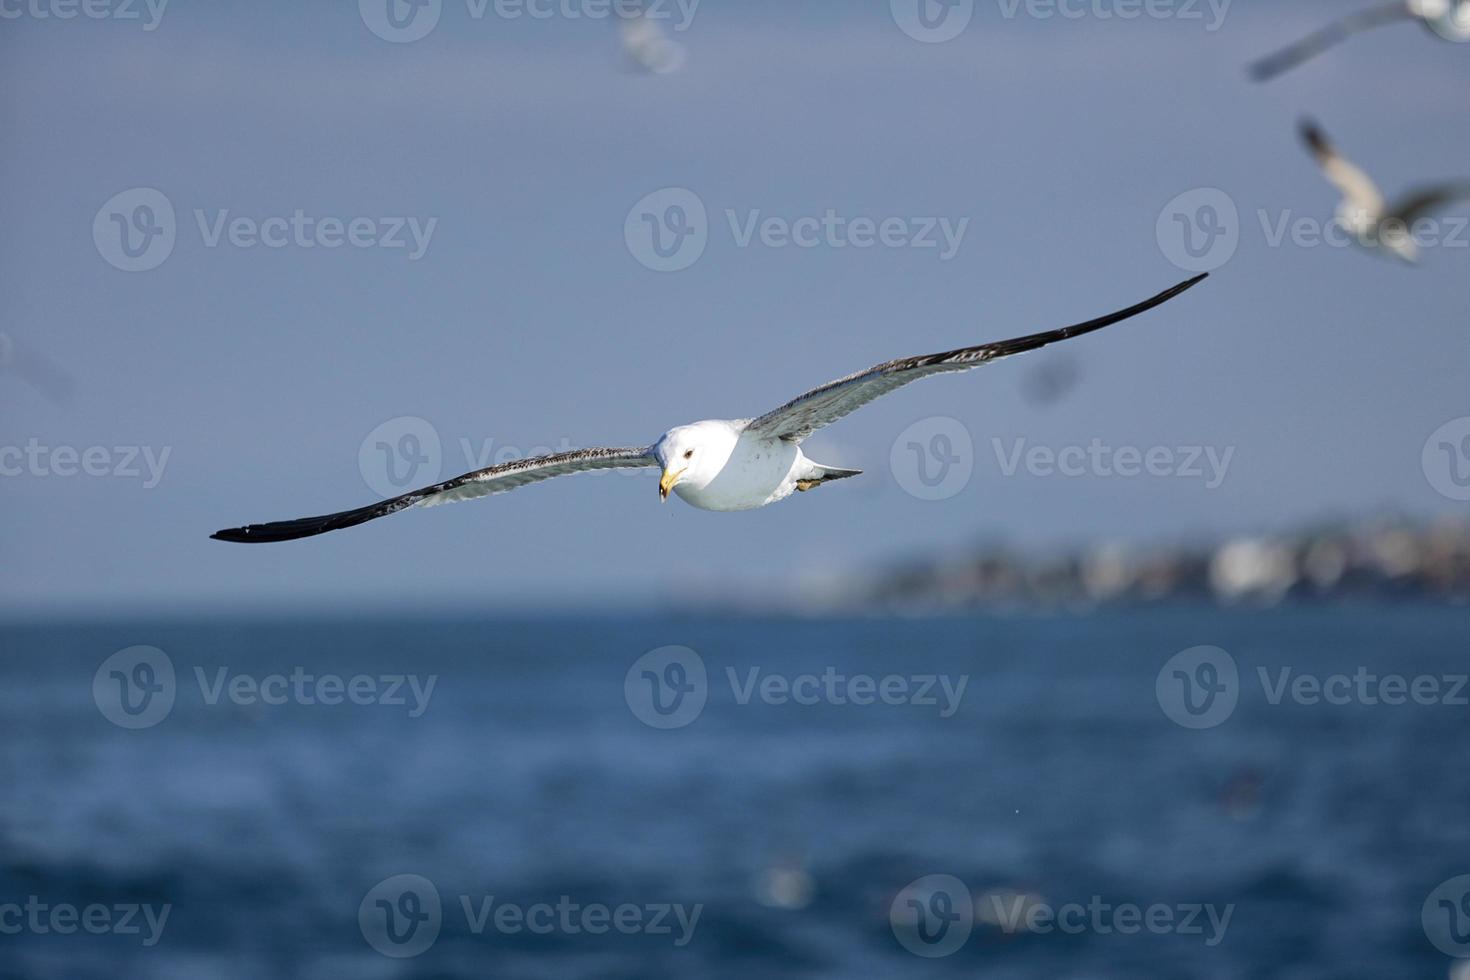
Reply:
x=36, y=369
x=647, y=45
x=716, y=464
x=1364, y=212
x=1450, y=19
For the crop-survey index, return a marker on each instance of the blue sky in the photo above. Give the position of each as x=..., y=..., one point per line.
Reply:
x=529, y=321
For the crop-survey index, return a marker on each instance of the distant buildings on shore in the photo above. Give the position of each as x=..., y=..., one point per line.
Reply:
x=1382, y=559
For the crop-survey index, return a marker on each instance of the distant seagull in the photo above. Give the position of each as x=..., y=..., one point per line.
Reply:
x=1363, y=211
x=36, y=369
x=717, y=464
x=648, y=45
x=1450, y=19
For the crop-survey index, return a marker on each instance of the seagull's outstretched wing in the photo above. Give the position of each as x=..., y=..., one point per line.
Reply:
x=806, y=413
x=1335, y=33
x=1424, y=201
x=1359, y=190
x=481, y=483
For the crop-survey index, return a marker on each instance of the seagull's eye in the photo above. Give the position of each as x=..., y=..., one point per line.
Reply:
x=688, y=453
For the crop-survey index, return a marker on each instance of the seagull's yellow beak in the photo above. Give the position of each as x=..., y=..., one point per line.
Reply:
x=667, y=482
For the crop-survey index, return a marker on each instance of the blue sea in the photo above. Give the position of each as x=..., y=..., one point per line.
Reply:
x=778, y=797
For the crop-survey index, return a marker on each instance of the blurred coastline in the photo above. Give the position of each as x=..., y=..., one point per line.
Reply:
x=1383, y=558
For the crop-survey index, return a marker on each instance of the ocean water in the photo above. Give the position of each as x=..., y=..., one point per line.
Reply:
x=532, y=789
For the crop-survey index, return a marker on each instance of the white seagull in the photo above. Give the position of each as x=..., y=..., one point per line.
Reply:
x=1365, y=214
x=717, y=464
x=1450, y=19
x=647, y=45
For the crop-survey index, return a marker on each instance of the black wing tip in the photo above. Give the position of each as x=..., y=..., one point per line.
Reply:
x=306, y=527
x=1263, y=70
x=1313, y=135
x=259, y=534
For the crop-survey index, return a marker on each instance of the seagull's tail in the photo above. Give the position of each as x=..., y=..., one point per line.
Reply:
x=820, y=474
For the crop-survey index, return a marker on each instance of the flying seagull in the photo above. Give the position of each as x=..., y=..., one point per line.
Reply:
x=717, y=464
x=1365, y=214
x=1450, y=19
x=646, y=43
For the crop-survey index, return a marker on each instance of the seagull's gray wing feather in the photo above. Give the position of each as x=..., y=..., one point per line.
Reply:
x=1335, y=33
x=480, y=483
x=1425, y=201
x=806, y=413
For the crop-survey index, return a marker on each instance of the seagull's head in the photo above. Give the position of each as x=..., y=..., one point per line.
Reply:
x=693, y=455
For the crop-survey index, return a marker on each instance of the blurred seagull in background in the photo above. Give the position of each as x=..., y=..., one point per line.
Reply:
x=648, y=45
x=36, y=369
x=717, y=464
x=1364, y=213
x=1450, y=19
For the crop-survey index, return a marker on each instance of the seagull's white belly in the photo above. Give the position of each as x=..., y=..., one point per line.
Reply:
x=758, y=472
